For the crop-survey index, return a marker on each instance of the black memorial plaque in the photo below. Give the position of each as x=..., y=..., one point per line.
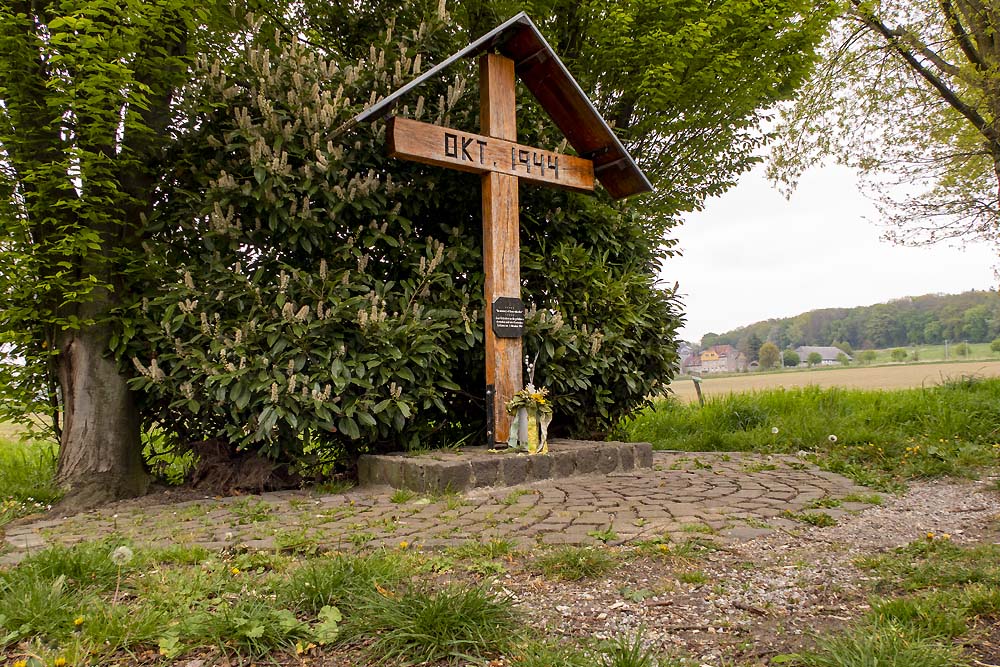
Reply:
x=508, y=317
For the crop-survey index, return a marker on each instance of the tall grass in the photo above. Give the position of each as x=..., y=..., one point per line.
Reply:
x=880, y=437
x=27, y=472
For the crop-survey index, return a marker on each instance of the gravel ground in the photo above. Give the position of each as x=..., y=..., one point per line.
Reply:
x=748, y=601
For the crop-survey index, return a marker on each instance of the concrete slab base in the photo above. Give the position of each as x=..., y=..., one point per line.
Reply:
x=474, y=467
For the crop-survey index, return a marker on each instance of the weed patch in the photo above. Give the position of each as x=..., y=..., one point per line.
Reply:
x=941, y=591
x=886, y=644
x=575, y=563
x=419, y=626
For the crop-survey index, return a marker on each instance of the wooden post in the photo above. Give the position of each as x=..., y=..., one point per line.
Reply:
x=501, y=242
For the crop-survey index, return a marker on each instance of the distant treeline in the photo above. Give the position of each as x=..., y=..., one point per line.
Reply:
x=973, y=317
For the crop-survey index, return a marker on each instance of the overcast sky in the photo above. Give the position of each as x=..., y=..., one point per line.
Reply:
x=752, y=255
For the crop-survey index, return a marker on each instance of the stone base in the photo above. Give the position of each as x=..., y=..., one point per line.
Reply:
x=472, y=467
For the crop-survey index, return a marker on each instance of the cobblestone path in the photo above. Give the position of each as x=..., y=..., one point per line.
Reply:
x=728, y=496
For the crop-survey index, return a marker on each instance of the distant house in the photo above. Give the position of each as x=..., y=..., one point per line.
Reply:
x=830, y=355
x=691, y=363
x=722, y=359
x=685, y=353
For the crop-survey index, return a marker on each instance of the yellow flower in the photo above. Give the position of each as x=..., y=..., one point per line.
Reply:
x=946, y=536
x=235, y=570
x=20, y=663
x=930, y=536
x=60, y=662
x=663, y=547
x=78, y=621
x=404, y=545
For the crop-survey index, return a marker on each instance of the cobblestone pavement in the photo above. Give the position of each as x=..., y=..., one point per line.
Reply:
x=728, y=496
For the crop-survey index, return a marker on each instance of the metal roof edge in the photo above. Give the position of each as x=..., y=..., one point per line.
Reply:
x=496, y=38
x=486, y=41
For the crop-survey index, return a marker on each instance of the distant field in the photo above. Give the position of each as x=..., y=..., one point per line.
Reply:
x=856, y=377
x=9, y=431
x=937, y=352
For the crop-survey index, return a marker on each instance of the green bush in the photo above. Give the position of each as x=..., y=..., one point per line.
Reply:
x=898, y=354
x=790, y=358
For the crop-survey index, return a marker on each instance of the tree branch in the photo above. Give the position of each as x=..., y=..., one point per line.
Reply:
x=928, y=53
x=949, y=95
x=964, y=41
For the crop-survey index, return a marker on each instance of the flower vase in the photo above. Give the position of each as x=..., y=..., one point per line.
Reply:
x=544, y=420
x=532, y=430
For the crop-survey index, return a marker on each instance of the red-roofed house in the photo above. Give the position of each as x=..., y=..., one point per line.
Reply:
x=722, y=359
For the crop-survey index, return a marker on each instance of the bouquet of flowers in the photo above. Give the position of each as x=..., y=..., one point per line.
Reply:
x=534, y=414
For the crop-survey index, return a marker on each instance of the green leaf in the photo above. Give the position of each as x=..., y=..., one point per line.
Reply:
x=348, y=427
x=170, y=645
x=328, y=628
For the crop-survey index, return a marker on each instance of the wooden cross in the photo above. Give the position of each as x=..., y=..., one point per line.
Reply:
x=502, y=162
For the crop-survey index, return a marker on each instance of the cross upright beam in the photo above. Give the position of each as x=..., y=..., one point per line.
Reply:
x=501, y=241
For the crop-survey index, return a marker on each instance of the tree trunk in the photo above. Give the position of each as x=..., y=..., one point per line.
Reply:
x=100, y=457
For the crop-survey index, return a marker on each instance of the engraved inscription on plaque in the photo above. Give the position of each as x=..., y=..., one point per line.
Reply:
x=508, y=317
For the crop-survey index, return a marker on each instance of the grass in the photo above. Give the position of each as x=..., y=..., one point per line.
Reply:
x=818, y=519
x=421, y=626
x=884, y=645
x=63, y=602
x=402, y=496
x=27, y=472
x=937, y=593
x=881, y=438
x=692, y=577
x=936, y=353
x=575, y=563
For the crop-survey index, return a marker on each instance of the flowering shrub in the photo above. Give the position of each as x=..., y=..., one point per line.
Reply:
x=314, y=297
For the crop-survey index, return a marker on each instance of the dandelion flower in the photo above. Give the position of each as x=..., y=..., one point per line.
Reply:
x=121, y=556
x=404, y=545
x=78, y=621
x=663, y=547
x=831, y=438
x=774, y=430
x=20, y=663
x=946, y=536
x=930, y=536
x=235, y=570
x=60, y=662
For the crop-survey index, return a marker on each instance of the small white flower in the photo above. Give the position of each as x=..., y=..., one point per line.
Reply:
x=121, y=556
x=774, y=430
x=832, y=438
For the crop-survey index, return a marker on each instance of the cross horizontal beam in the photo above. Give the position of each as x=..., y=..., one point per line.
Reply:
x=475, y=153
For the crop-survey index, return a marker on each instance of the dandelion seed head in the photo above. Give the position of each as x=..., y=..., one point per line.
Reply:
x=121, y=556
